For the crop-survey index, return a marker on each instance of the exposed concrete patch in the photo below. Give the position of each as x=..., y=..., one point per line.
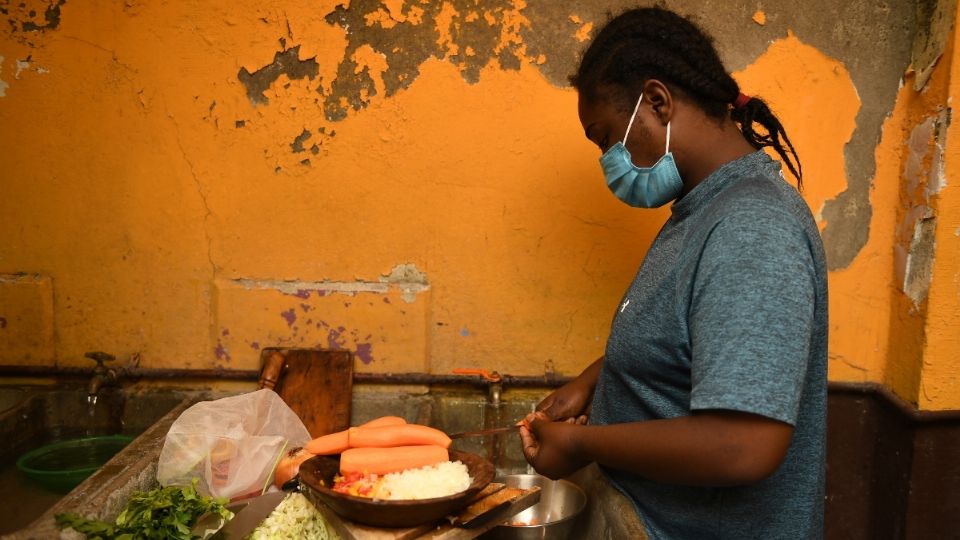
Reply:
x=405, y=277
x=3, y=85
x=937, y=178
x=410, y=280
x=919, y=263
x=923, y=178
x=286, y=62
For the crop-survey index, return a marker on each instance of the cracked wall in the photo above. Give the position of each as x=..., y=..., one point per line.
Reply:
x=209, y=159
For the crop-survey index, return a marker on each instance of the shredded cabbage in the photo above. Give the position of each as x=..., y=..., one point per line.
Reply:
x=294, y=518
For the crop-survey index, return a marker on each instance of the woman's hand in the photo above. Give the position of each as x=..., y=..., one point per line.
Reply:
x=569, y=401
x=550, y=446
x=573, y=399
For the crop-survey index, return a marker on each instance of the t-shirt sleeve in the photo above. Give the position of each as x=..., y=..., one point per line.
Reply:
x=751, y=314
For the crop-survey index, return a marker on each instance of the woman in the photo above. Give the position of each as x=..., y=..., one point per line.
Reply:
x=708, y=408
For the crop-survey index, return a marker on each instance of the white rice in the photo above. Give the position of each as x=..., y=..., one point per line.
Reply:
x=440, y=480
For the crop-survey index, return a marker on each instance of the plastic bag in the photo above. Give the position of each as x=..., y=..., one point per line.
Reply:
x=231, y=444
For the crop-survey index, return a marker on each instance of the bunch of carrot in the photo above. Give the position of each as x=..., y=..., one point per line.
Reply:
x=384, y=445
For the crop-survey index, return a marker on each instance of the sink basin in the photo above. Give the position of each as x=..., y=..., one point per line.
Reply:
x=10, y=398
x=51, y=417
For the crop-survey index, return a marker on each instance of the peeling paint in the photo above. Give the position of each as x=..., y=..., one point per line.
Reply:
x=20, y=66
x=290, y=316
x=759, y=17
x=28, y=17
x=934, y=21
x=297, y=144
x=286, y=62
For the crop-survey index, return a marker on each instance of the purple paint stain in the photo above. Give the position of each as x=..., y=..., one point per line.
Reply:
x=255, y=346
x=309, y=321
x=303, y=293
x=222, y=352
x=386, y=300
x=365, y=352
x=3, y=322
x=290, y=316
x=226, y=332
x=305, y=307
x=322, y=293
x=464, y=332
x=341, y=329
x=334, y=339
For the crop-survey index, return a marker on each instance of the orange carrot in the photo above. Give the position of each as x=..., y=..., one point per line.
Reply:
x=334, y=443
x=399, y=435
x=326, y=445
x=289, y=465
x=388, y=460
x=384, y=421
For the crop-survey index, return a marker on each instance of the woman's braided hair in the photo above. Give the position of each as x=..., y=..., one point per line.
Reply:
x=654, y=43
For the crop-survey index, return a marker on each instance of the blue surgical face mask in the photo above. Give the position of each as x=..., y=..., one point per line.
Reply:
x=641, y=187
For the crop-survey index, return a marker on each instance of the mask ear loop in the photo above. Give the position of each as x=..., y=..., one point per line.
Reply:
x=667, y=151
x=632, y=118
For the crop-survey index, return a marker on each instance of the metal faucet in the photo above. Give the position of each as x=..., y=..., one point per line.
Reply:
x=102, y=375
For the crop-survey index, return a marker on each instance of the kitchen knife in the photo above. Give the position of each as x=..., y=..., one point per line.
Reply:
x=250, y=513
x=482, y=432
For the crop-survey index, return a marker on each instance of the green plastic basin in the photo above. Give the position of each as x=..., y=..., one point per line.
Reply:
x=63, y=465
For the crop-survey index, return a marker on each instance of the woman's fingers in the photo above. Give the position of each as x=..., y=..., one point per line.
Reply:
x=531, y=446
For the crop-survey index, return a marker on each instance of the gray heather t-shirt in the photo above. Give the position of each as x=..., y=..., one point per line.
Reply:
x=728, y=311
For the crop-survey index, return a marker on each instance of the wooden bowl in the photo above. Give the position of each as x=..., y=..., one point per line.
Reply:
x=316, y=479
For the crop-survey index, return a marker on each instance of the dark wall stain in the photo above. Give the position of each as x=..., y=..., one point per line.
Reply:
x=872, y=39
x=286, y=62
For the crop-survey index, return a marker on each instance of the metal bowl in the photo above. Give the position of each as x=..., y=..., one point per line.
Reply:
x=316, y=478
x=561, y=503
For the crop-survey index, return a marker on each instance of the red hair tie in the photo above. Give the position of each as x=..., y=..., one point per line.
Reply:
x=741, y=101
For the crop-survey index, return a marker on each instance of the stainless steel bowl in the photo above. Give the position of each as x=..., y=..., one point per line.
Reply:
x=561, y=502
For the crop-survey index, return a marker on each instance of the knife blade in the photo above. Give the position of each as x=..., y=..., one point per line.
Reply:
x=250, y=513
x=482, y=432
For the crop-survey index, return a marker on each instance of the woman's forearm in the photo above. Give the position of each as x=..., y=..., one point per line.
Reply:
x=715, y=448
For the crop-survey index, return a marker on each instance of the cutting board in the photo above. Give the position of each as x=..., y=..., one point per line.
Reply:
x=316, y=383
x=492, y=506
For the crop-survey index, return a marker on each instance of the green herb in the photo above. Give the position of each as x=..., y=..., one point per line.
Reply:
x=161, y=514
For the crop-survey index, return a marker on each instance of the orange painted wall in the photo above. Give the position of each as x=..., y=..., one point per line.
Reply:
x=150, y=206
